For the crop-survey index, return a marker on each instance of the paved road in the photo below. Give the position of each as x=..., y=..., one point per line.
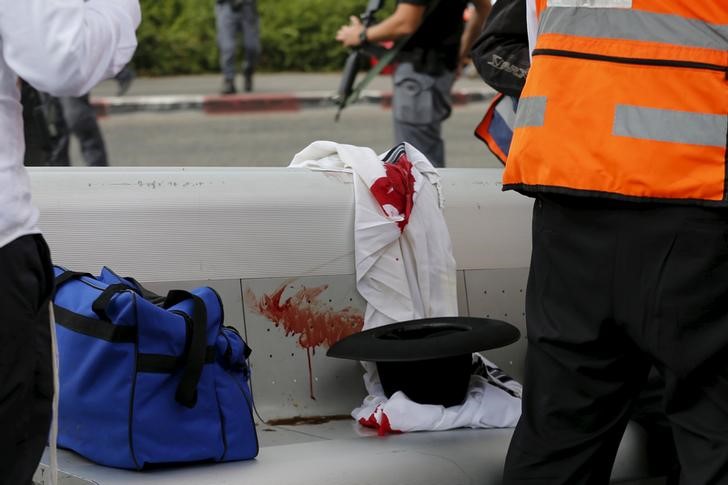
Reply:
x=269, y=139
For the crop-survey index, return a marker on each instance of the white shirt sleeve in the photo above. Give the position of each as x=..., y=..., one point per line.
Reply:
x=532, y=24
x=66, y=47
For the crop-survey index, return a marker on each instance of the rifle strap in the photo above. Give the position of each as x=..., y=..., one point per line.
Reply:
x=384, y=61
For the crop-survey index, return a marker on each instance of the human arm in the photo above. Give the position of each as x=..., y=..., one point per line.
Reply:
x=66, y=47
x=481, y=9
x=404, y=21
x=501, y=53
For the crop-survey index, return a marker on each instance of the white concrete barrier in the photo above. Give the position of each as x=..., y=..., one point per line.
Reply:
x=251, y=230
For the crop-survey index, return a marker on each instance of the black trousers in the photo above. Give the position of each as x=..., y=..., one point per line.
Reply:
x=614, y=289
x=26, y=376
x=79, y=118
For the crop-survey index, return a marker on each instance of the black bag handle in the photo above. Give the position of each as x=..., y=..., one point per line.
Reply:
x=69, y=275
x=89, y=326
x=146, y=294
x=101, y=303
x=136, y=286
x=196, y=352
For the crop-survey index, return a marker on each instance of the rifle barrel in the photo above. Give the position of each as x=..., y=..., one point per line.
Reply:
x=353, y=62
x=351, y=69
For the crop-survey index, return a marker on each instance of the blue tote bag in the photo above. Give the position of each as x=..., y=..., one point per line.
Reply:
x=147, y=380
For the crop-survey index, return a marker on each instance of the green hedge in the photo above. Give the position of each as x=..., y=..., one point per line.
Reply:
x=178, y=36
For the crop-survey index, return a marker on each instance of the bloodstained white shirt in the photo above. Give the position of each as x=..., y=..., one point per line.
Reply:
x=62, y=47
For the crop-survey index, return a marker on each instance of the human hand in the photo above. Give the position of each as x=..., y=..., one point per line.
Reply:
x=349, y=35
x=462, y=64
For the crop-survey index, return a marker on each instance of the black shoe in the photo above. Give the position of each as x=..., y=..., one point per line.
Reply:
x=248, y=84
x=228, y=87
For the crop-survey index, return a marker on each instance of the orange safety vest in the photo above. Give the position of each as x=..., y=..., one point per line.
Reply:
x=627, y=99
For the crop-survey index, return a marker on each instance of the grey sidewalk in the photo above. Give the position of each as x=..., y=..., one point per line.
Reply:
x=273, y=92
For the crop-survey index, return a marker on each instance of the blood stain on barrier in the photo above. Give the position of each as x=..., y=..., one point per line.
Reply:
x=314, y=322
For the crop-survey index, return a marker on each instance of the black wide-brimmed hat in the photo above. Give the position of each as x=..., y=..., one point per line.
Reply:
x=428, y=359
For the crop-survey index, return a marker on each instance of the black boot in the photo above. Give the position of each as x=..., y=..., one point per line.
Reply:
x=228, y=87
x=248, y=82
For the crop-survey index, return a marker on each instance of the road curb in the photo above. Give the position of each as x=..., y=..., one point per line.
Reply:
x=255, y=102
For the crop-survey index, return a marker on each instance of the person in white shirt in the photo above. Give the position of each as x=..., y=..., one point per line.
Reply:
x=62, y=47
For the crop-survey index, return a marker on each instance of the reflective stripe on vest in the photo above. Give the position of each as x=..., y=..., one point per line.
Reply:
x=627, y=98
x=531, y=112
x=591, y=3
x=625, y=24
x=670, y=126
x=713, y=11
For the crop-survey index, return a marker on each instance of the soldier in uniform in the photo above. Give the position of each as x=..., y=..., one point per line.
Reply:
x=234, y=17
x=438, y=46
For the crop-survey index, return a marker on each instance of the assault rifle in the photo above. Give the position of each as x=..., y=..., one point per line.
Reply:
x=345, y=94
x=348, y=93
